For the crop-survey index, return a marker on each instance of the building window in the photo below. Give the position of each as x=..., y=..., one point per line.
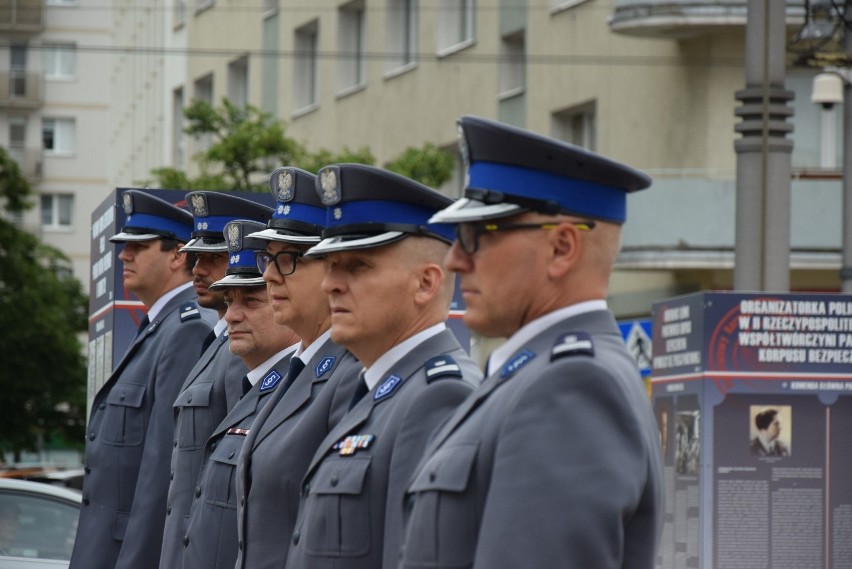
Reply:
x=201, y=5
x=61, y=2
x=58, y=135
x=269, y=7
x=513, y=65
x=576, y=125
x=238, y=82
x=60, y=61
x=401, y=34
x=203, y=91
x=350, y=40
x=180, y=13
x=18, y=70
x=57, y=210
x=177, y=129
x=305, y=76
x=455, y=25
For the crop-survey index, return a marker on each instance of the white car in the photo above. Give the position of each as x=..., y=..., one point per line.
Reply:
x=38, y=523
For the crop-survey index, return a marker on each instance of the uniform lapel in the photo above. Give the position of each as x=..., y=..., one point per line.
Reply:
x=202, y=364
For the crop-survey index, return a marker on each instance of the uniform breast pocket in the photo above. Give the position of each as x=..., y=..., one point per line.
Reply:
x=195, y=419
x=338, y=521
x=220, y=479
x=442, y=530
x=124, y=416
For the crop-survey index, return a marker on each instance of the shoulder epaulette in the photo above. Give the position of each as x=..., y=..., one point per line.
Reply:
x=189, y=311
x=442, y=366
x=573, y=344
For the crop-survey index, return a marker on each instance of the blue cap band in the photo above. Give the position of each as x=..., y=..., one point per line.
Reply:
x=211, y=223
x=296, y=211
x=157, y=224
x=243, y=259
x=382, y=211
x=572, y=194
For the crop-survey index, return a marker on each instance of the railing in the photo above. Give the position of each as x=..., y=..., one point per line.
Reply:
x=21, y=16
x=21, y=89
x=29, y=160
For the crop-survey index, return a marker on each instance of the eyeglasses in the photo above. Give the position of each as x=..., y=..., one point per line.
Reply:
x=284, y=267
x=467, y=234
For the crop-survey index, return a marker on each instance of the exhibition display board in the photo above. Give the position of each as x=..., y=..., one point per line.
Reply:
x=753, y=397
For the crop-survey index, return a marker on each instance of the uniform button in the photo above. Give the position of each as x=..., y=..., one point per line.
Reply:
x=432, y=476
x=232, y=454
x=102, y=406
x=169, y=511
x=197, y=491
x=87, y=470
x=175, y=443
x=172, y=475
x=242, y=501
x=213, y=446
x=306, y=490
x=185, y=540
x=92, y=436
x=85, y=501
x=241, y=545
x=121, y=396
x=334, y=480
x=295, y=538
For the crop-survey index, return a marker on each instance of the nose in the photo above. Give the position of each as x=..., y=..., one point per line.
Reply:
x=457, y=260
x=331, y=283
x=271, y=274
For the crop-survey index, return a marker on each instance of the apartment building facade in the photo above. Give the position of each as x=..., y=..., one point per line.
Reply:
x=646, y=82
x=54, y=111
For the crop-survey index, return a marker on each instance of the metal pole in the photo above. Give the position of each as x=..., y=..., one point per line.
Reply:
x=762, y=247
x=846, y=163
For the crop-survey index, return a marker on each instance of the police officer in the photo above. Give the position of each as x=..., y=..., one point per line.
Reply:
x=554, y=461
x=130, y=429
x=284, y=437
x=390, y=298
x=210, y=539
x=213, y=386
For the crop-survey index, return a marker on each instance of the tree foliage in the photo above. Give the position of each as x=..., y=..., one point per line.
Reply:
x=42, y=309
x=247, y=143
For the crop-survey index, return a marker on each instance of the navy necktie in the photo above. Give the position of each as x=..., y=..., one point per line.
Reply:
x=246, y=385
x=360, y=390
x=208, y=340
x=142, y=326
x=296, y=367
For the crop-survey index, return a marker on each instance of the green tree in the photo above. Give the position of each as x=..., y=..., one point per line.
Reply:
x=247, y=143
x=429, y=165
x=42, y=309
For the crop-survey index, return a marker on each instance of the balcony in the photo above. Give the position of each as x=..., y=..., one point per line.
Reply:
x=21, y=16
x=29, y=161
x=687, y=18
x=21, y=90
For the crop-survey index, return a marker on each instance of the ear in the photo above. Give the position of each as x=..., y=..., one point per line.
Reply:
x=565, y=245
x=177, y=259
x=431, y=276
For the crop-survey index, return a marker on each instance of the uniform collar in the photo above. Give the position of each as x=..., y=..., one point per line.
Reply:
x=220, y=327
x=378, y=370
x=157, y=307
x=520, y=338
x=258, y=372
x=305, y=353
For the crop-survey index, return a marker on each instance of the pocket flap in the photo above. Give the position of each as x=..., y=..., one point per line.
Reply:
x=341, y=476
x=196, y=395
x=228, y=450
x=126, y=395
x=448, y=470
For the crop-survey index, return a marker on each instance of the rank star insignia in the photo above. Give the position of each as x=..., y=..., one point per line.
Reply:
x=286, y=210
x=353, y=443
x=199, y=205
x=234, y=237
x=128, y=204
x=201, y=225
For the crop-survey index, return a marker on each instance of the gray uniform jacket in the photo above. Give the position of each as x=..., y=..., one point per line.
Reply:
x=279, y=449
x=129, y=442
x=553, y=462
x=352, y=496
x=210, y=391
x=210, y=541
